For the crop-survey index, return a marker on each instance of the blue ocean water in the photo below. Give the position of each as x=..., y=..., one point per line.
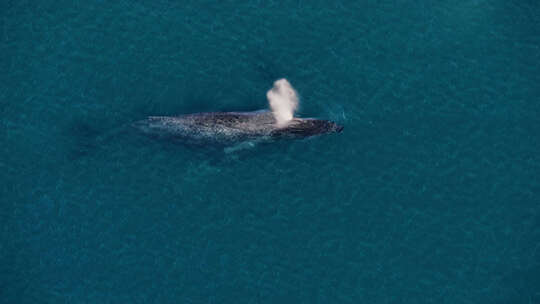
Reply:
x=430, y=194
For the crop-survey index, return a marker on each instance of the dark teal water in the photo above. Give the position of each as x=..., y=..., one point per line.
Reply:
x=430, y=195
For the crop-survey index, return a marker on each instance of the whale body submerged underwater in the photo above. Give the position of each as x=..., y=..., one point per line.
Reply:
x=228, y=128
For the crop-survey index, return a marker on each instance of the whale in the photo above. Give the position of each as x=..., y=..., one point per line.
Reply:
x=232, y=128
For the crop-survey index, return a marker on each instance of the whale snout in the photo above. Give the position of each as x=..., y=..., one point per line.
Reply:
x=327, y=126
x=336, y=128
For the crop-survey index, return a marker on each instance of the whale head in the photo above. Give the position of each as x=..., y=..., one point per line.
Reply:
x=306, y=127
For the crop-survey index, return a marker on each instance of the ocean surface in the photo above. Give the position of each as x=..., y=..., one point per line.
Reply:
x=431, y=194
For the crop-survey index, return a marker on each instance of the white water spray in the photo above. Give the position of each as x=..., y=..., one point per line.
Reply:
x=283, y=101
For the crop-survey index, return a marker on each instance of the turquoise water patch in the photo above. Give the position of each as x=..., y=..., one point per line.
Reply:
x=429, y=195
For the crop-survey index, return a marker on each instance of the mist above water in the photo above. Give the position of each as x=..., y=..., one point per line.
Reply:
x=283, y=101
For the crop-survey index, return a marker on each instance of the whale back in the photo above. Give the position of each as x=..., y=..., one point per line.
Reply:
x=231, y=119
x=213, y=127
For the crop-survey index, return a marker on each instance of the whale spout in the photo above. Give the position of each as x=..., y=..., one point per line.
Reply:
x=283, y=101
